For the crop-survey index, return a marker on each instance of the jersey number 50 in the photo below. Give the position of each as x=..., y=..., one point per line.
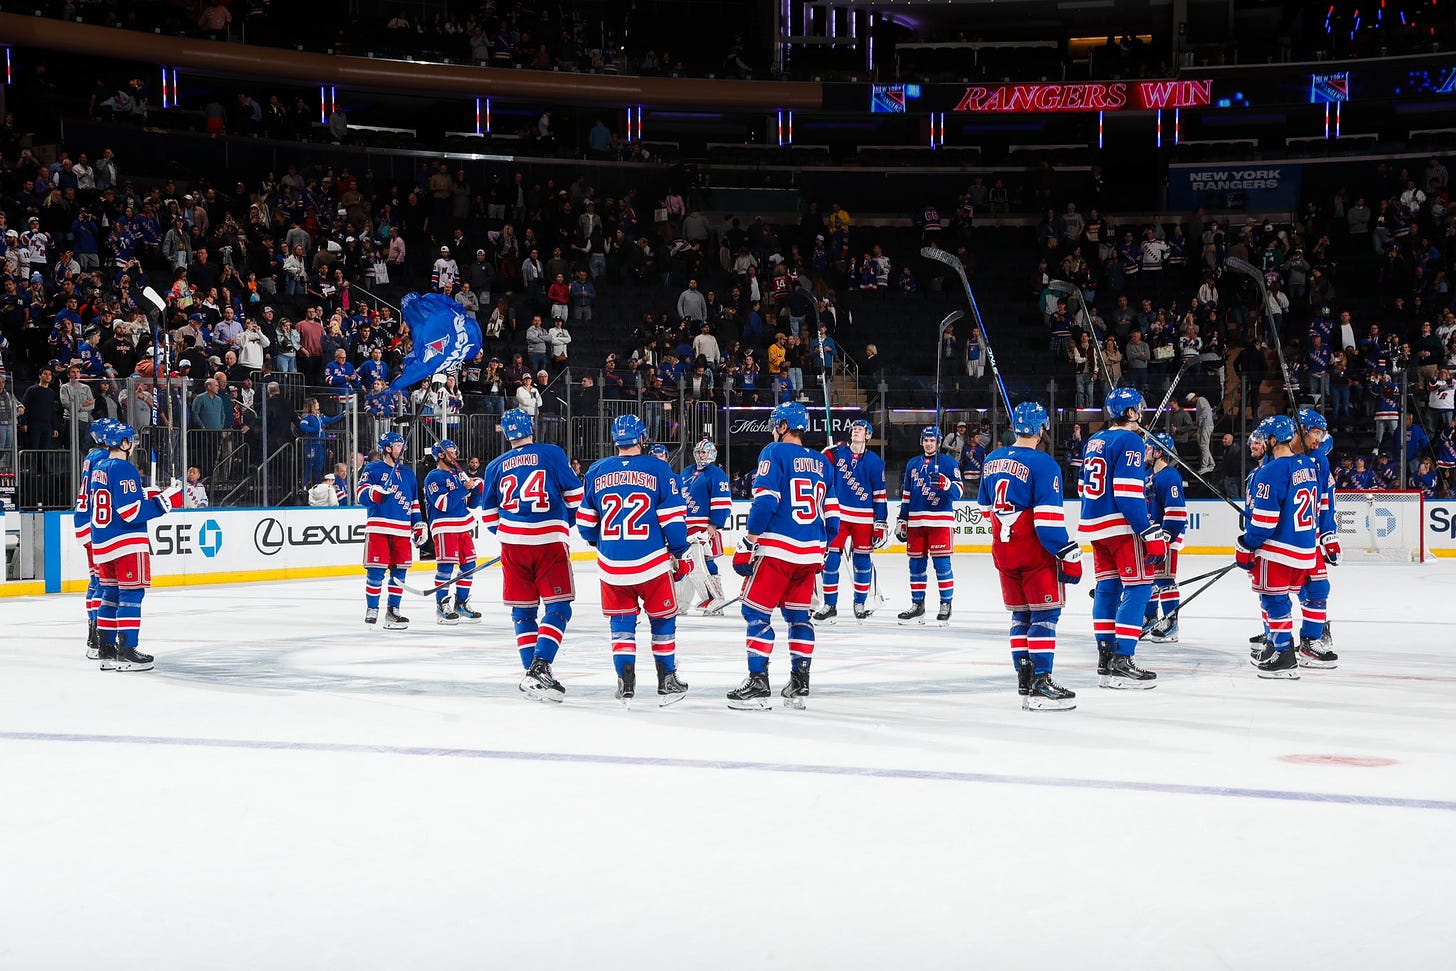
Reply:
x=808, y=499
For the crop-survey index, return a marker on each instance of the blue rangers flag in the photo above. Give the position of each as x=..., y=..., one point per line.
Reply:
x=443, y=337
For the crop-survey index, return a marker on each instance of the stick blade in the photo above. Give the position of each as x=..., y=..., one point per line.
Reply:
x=940, y=256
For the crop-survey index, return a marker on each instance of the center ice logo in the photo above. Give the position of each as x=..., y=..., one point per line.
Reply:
x=209, y=538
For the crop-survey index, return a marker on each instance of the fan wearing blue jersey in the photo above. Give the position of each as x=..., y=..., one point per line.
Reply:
x=1279, y=542
x=794, y=514
x=1445, y=454
x=1127, y=546
x=859, y=482
x=1021, y=496
x=1315, y=638
x=709, y=503
x=929, y=490
x=529, y=502
x=1170, y=511
x=120, y=509
x=632, y=512
x=450, y=497
x=390, y=496
x=81, y=521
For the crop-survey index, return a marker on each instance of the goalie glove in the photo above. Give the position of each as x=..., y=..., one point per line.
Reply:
x=682, y=565
x=1069, y=563
x=744, y=556
x=902, y=531
x=1243, y=556
x=1155, y=545
x=1330, y=546
x=880, y=536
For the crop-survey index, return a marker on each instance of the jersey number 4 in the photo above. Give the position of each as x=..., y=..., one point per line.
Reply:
x=532, y=493
x=622, y=516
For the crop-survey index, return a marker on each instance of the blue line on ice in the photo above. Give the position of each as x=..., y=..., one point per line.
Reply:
x=852, y=771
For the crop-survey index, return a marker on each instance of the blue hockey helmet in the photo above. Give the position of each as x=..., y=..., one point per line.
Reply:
x=1261, y=430
x=792, y=414
x=1028, y=418
x=1325, y=447
x=516, y=425
x=119, y=432
x=869, y=430
x=1310, y=418
x=658, y=451
x=389, y=439
x=705, y=453
x=441, y=448
x=1122, y=400
x=1281, y=428
x=930, y=431
x=98, y=429
x=1163, y=442
x=628, y=430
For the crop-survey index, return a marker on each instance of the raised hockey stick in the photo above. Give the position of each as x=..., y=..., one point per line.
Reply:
x=941, y=256
x=1275, y=338
x=1172, y=386
x=1073, y=293
x=1177, y=459
x=1216, y=576
x=431, y=591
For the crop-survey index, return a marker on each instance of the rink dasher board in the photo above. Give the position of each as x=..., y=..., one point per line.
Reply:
x=200, y=546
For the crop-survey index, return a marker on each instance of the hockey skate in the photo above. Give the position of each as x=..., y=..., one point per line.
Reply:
x=1312, y=654
x=861, y=611
x=1123, y=672
x=371, y=616
x=1164, y=631
x=106, y=654
x=670, y=689
x=1281, y=665
x=467, y=615
x=942, y=616
x=796, y=692
x=1327, y=637
x=1047, y=695
x=915, y=615
x=1104, y=658
x=752, y=695
x=393, y=620
x=93, y=640
x=826, y=616
x=444, y=615
x=1025, y=674
x=627, y=685
x=1260, y=653
x=540, y=685
x=130, y=659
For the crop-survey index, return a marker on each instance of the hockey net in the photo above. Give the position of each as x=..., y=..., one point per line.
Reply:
x=1384, y=527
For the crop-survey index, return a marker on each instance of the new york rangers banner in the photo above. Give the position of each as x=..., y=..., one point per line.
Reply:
x=443, y=337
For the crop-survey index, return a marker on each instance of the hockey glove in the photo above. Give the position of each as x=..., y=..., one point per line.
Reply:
x=1330, y=544
x=744, y=556
x=171, y=497
x=902, y=531
x=941, y=482
x=1069, y=563
x=880, y=536
x=682, y=565
x=1243, y=556
x=1155, y=545
x=420, y=532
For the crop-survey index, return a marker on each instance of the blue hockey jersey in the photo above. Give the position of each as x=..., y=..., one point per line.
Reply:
x=81, y=518
x=632, y=511
x=449, y=496
x=531, y=496
x=390, y=497
x=1446, y=448
x=1170, y=508
x=859, y=484
x=708, y=496
x=1325, y=516
x=1387, y=400
x=921, y=503
x=1111, y=485
x=795, y=509
x=1284, y=509
x=1017, y=480
x=120, y=510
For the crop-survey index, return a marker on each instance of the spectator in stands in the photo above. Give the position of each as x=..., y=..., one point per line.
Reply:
x=705, y=347
x=538, y=340
x=39, y=407
x=528, y=396
x=10, y=412
x=583, y=294
x=77, y=401
x=1203, y=420
x=194, y=493
x=560, y=340
x=1230, y=467
x=1441, y=397
x=690, y=303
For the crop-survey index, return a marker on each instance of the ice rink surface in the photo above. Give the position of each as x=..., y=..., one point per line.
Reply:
x=285, y=791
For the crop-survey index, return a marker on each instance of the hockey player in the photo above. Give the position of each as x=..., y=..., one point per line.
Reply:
x=1170, y=511
x=794, y=514
x=632, y=512
x=120, y=509
x=451, y=495
x=530, y=501
x=1314, y=630
x=932, y=483
x=390, y=496
x=859, y=482
x=1021, y=494
x=1279, y=541
x=81, y=520
x=1127, y=546
x=709, y=504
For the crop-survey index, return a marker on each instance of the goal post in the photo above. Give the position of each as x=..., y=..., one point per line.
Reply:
x=1381, y=526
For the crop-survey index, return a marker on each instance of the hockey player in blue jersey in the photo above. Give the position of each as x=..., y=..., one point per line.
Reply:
x=1170, y=511
x=794, y=514
x=392, y=527
x=1021, y=495
x=929, y=490
x=1127, y=546
x=709, y=504
x=451, y=497
x=632, y=512
x=1279, y=541
x=859, y=482
x=529, y=502
x=1315, y=638
x=81, y=521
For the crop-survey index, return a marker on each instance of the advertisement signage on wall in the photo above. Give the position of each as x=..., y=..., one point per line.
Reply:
x=753, y=424
x=1234, y=185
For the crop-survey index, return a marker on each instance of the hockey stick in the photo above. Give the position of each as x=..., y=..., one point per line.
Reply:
x=1275, y=338
x=430, y=591
x=1172, y=386
x=1216, y=575
x=941, y=256
x=1062, y=286
x=1177, y=459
